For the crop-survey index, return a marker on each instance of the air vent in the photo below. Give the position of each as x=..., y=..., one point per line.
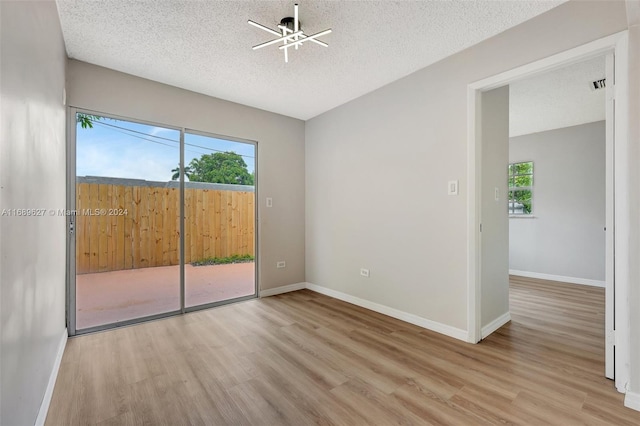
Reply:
x=598, y=84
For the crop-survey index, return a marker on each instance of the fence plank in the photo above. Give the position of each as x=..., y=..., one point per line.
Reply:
x=94, y=234
x=103, y=229
x=127, y=224
x=217, y=212
x=83, y=253
x=187, y=227
x=191, y=223
x=119, y=228
x=174, y=216
x=206, y=226
x=167, y=227
x=145, y=233
x=136, y=228
x=111, y=240
x=251, y=227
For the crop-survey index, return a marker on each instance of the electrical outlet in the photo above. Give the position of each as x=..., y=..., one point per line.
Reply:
x=497, y=194
x=281, y=264
x=269, y=202
x=364, y=272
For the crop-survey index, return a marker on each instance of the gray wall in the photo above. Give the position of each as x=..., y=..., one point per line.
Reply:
x=377, y=171
x=280, y=151
x=494, y=237
x=32, y=175
x=566, y=237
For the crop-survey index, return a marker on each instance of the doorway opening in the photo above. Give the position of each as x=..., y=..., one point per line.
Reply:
x=559, y=177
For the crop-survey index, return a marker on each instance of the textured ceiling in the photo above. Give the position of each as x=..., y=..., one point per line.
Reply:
x=205, y=46
x=557, y=99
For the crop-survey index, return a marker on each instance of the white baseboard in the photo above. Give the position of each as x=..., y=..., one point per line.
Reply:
x=572, y=280
x=495, y=324
x=395, y=313
x=632, y=400
x=48, y=394
x=282, y=289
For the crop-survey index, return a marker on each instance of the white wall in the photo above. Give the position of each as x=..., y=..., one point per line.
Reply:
x=280, y=151
x=566, y=238
x=32, y=175
x=494, y=218
x=377, y=171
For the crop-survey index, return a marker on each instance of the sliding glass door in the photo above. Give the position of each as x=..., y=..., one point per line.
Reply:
x=131, y=256
x=219, y=202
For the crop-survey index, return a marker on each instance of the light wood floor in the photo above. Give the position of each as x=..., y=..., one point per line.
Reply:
x=303, y=358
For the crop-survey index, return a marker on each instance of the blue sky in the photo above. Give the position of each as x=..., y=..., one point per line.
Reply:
x=123, y=149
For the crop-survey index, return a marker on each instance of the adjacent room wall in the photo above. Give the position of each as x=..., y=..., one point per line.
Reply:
x=32, y=176
x=377, y=170
x=566, y=236
x=494, y=260
x=280, y=151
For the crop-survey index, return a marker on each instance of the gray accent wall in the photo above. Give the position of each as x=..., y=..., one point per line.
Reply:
x=280, y=141
x=32, y=176
x=566, y=235
x=377, y=170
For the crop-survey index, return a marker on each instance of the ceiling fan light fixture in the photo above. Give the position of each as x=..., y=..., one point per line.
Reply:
x=290, y=34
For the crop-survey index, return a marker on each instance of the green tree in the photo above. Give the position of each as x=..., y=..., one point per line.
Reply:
x=176, y=172
x=86, y=120
x=219, y=167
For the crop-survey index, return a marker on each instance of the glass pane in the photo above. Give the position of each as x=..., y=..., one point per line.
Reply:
x=520, y=201
x=523, y=168
x=512, y=182
x=127, y=221
x=511, y=203
x=523, y=180
x=219, y=220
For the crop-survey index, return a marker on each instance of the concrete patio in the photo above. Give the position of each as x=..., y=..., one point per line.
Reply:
x=109, y=297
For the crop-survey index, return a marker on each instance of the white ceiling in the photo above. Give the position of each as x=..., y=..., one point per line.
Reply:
x=557, y=99
x=205, y=46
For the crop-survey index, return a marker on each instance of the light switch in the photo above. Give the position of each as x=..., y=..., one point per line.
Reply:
x=497, y=194
x=269, y=202
x=452, y=187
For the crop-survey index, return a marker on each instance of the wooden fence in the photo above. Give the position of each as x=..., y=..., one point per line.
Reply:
x=128, y=227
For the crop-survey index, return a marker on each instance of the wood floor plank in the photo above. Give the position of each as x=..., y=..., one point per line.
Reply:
x=304, y=358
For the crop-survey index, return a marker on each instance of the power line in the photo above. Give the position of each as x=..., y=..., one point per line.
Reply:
x=135, y=131
x=140, y=137
x=167, y=139
x=134, y=136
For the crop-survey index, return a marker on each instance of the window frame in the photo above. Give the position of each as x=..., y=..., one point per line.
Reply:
x=511, y=176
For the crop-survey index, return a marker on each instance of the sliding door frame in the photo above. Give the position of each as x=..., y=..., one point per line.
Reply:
x=71, y=224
